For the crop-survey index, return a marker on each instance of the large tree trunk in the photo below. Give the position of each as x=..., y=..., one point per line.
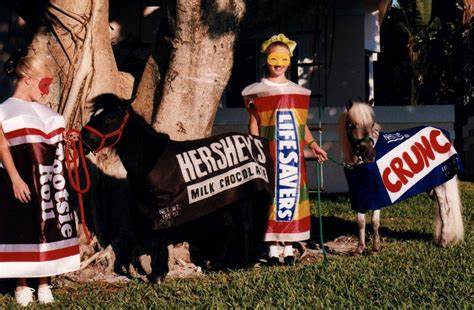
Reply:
x=184, y=104
x=81, y=55
x=185, y=77
x=84, y=57
x=195, y=69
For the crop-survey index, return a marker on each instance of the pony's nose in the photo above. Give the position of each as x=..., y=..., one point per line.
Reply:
x=369, y=155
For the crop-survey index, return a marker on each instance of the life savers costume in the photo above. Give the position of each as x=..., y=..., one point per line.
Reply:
x=37, y=239
x=281, y=110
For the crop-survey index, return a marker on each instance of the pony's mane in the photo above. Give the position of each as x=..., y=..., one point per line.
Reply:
x=111, y=102
x=361, y=115
x=108, y=102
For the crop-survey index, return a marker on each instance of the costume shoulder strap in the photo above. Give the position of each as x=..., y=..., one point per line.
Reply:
x=299, y=89
x=256, y=89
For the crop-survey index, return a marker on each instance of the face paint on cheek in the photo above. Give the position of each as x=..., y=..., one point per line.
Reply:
x=44, y=84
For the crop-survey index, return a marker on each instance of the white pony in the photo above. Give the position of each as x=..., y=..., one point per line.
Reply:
x=358, y=133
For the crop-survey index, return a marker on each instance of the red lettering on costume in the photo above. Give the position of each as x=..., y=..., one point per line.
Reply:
x=411, y=163
x=397, y=166
x=393, y=187
x=426, y=150
x=436, y=146
x=414, y=167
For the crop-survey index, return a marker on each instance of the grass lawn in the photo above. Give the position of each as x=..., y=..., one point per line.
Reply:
x=409, y=272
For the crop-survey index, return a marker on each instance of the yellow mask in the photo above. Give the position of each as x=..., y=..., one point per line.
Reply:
x=278, y=59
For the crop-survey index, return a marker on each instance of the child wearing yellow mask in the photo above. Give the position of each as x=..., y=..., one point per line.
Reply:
x=278, y=110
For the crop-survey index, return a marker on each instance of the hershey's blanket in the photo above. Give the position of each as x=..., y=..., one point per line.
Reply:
x=194, y=178
x=39, y=238
x=408, y=162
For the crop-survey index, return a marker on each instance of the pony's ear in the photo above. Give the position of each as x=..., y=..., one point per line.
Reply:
x=128, y=102
x=349, y=104
x=371, y=102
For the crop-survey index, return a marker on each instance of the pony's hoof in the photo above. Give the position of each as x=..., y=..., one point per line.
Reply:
x=157, y=278
x=273, y=261
x=443, y=244
x=358, y=251
x=374, y=252
x=376, y=248
x=289, y=260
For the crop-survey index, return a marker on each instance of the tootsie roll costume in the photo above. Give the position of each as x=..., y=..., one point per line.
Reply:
x=39, y=238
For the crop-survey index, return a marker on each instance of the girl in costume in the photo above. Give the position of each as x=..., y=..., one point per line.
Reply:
x=278, y=111
x=38, y=236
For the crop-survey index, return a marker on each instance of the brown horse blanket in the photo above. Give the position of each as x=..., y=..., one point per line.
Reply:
x=195, y=178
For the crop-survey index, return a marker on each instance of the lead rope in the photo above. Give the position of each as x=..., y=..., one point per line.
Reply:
x=74, y=151
x=321, y=239
x=340, y=163
x=318, y=183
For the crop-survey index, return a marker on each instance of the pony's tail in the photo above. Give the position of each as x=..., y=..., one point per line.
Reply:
x=449, y=202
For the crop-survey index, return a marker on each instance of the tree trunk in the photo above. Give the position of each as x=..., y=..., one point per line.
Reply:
x=202, y=39
x=185, y=76
x=80, y=53
x=91, y=68
x=468, y=11
x=195, y=71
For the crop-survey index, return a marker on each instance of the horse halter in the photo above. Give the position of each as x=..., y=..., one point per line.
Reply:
x=117, y=134
x=355, y=142
x=365, y=138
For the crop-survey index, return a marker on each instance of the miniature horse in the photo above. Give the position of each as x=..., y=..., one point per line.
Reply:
x=358, y=134
x=114, y=124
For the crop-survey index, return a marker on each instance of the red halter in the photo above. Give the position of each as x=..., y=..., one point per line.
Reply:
x=104, y=137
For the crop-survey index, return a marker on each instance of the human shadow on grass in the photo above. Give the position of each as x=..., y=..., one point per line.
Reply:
x=7, y=286
x=334, y=227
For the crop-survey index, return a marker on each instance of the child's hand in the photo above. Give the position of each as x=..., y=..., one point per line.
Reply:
x=73, y=136
x=21, y=190
x=321, y=155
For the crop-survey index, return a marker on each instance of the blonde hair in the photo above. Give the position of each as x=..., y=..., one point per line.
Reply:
x=274, y=44
x=31, y=66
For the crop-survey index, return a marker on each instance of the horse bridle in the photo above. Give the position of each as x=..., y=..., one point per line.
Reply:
x=117, y=134
x=357, y=142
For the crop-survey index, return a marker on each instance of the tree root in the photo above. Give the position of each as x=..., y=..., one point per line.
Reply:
x=97, y=257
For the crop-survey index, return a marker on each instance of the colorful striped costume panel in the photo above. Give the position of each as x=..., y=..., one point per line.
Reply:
x=281, y=111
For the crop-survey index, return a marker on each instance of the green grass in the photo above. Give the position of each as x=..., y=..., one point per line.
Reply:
x=409, y=272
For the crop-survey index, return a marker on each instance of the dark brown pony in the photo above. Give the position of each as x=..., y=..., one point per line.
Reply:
x=230, y=236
